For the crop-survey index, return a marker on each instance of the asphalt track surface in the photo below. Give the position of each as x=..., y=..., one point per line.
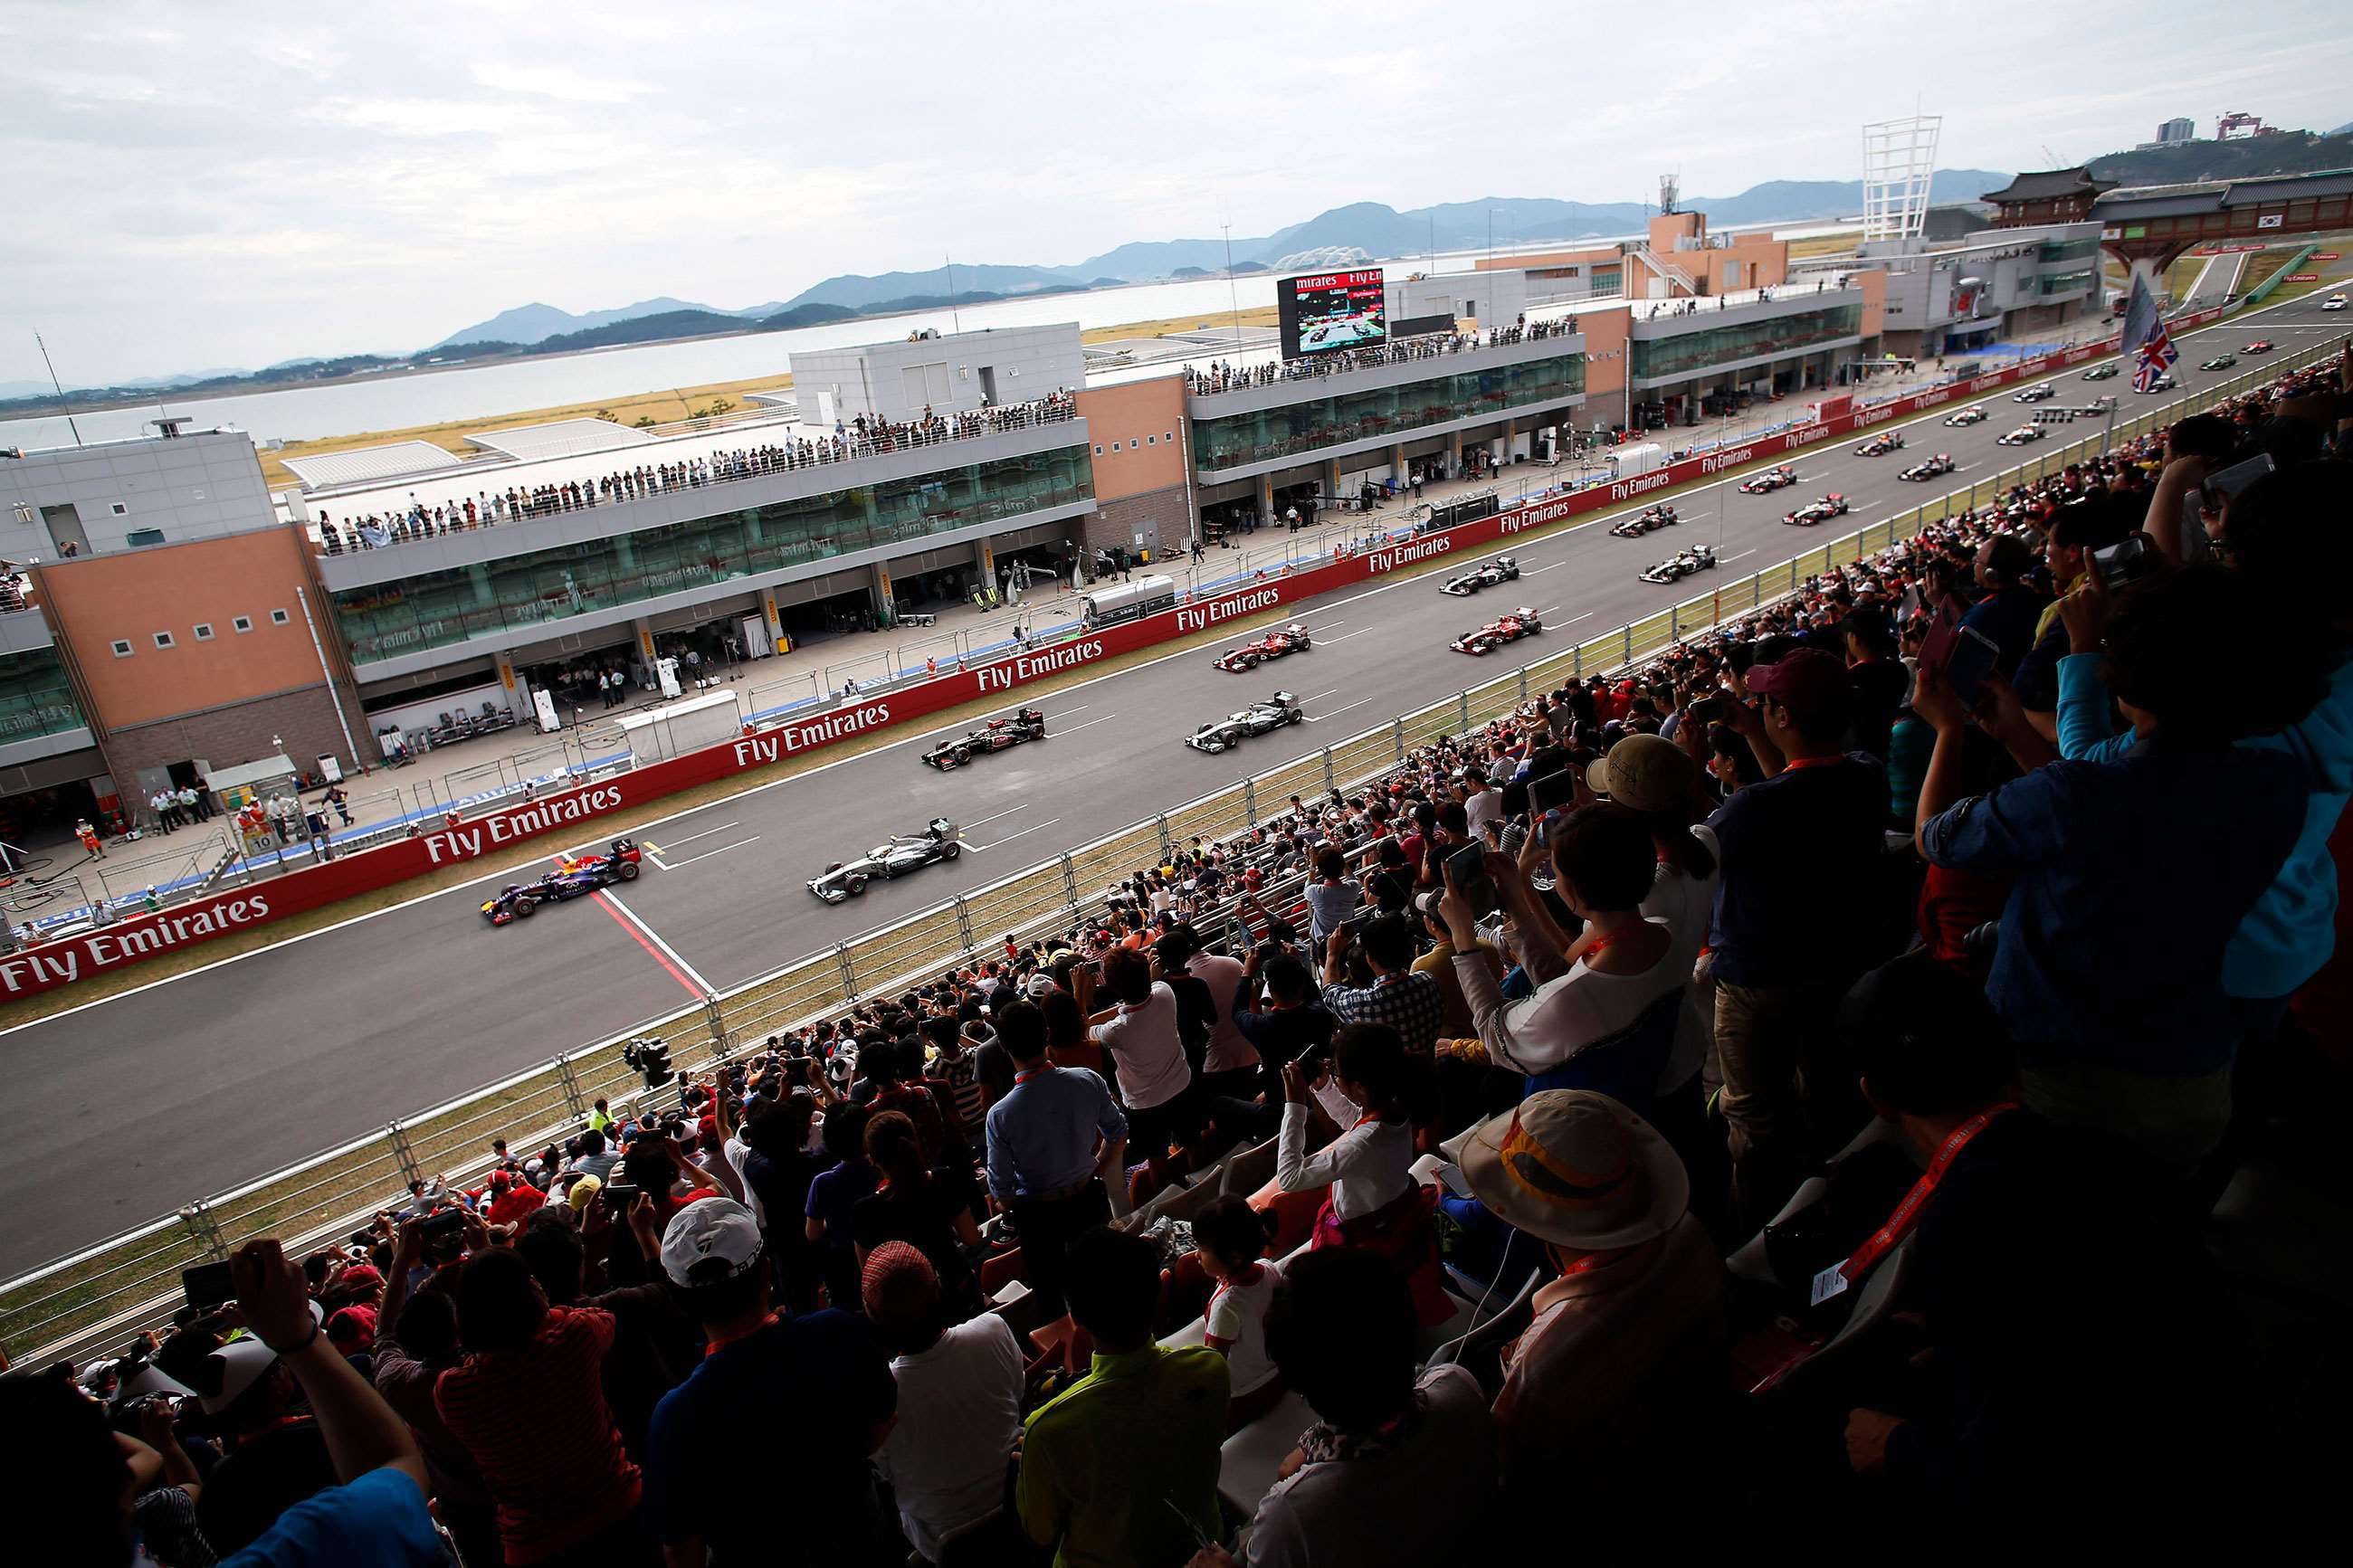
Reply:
x=133, y=1107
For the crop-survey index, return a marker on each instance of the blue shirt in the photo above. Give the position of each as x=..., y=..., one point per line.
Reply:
x=377, y=1520
x=1042, y=1136
x=2008, y=619
x=2129, y=877
x=833, y=1193
x=1801, y=854
x=2292, y=929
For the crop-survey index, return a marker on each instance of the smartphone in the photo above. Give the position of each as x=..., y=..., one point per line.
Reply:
x=207, y=1285
x=1451, y=1178
x=620, y=1195
x=1466, y=871
x=1551, y=791
x=1971, y=660
x=443, y=1222
x=2220, y=487
x=2123, y=564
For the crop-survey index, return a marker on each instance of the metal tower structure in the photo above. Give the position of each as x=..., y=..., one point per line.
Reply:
x=1670, y=191
x=1898, y=158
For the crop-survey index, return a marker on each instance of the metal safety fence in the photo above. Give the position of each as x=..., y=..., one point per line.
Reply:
x=83, y=1304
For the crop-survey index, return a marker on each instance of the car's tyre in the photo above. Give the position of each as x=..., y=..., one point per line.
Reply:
x=523, y=907
x=960, y=756
x=626, y=870
x=950, y=851
x=855, y=886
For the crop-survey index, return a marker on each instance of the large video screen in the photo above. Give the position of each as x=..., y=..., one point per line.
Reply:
x=1321, y=312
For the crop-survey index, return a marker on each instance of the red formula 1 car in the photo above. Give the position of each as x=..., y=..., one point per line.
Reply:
x=1520, y=623
x=1769, y=481
x=570, y=880
x=1815, y=511
x=1291, y=639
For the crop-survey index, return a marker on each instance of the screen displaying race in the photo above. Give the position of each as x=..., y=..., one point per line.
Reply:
x=1321, y=312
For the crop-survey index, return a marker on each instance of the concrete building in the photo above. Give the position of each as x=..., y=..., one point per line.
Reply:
x=2052, y=195
x=950, y=373
x=2176, y=130
x=1988, y=286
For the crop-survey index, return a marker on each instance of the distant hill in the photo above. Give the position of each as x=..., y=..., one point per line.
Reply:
x=2246, y=157
x=536, y=323
x=863, y=291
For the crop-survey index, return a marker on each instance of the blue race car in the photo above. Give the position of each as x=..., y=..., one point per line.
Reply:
x=570, y=880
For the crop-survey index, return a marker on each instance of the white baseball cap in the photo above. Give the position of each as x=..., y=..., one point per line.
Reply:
x=709, y=1230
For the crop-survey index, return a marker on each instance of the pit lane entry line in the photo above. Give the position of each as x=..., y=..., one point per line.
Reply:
x=661, y=952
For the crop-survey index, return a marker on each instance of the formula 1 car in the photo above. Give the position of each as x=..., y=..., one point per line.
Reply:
x=1520, y=623
x=1635, y=527
x=2220, y=362
x=2100, y=372
x=2260, y=346
x=1960, y=417
x=1942, y=463
x=2020, y=437
x=1502, y=569
x=1815, y=511
x=2162, y=383
x=2042, y=394
x=570, y=880
x=1291, y=639
x=1769, y=481
x=895, y=856
x=1258, y=719
x=1698, y=558
x=1881, y=444
x=998, y=735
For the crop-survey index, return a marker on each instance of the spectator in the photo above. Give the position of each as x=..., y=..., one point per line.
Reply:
x=1230, y=1242
x=274, y=1454
x=1454, y=1019
x=1056, y=1146
x=1390, y=994
x=2008, y=610
x=419, y=1343
x=927, y=1206
x=1331, y=898
x=801, y=1403
x=1400, y=1469
x=2050, y=1287
x=1139, y=1033
x=1289, y=1024
x=1374, y=1201
x=527, y=1403
x=959, y=1400
x=1231, y=1066
x=833, y=1199
x=1801, y=850
x=1878, y=677
x=2117, y=1030
x=1121, y=1469
x=1618, y=1378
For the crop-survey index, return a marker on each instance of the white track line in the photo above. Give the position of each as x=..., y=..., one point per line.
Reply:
x=1334, y=691
x=707, y=854
x=978, y=848
x=1074, y=729
x=1540, y=571
x=706, y=832
x=993, y=816
x=655, y=937
x=1723, y=561
x=1354, y=633
x=1574, y=619
x=1336, y=712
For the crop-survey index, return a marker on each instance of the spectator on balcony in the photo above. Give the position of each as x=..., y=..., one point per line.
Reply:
x=1800, y=856
x=1122, y=1468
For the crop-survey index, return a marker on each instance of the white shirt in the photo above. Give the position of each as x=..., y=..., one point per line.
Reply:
x=1368, y=1165
x=1487, y=806
x=1229, y=1050
x=959, y=1416
x=1567, y=1012
x=737, y=1151
x=1238, y=1316
x=1146, y=1051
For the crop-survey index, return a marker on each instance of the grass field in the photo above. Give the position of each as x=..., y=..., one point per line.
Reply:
x=1823, y=244
x=666, y=405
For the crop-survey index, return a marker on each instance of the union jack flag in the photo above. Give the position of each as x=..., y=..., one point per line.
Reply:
x=2145, y=330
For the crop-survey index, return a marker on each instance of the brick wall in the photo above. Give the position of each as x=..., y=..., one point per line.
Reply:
x=1159, y=515
x=237, y=732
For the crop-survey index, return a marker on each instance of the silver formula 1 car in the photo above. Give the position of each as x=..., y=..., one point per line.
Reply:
x=1258, y=719
x=1502, y=569
x=893, y=857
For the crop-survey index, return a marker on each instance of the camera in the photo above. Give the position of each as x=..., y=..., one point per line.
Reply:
x=2124, y=562
x=649, y=1059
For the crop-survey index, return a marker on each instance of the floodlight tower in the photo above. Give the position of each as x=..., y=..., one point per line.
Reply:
x=1899, y=157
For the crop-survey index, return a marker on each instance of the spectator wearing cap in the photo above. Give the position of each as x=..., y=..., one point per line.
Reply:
x=801, y=1403
x=273, y=1454
x=2049, y=1284
x=1121, y=1469
x=1398, y=1469
x=959, y=1399
x=1454, y=1021
x=1055, y=1143
x=528, y=1404
x=2121, y=1027
x=1801, y=850
x=511, y=1199
x=1617, y=1380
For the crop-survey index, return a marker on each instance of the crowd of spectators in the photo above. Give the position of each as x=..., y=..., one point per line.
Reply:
x=1222, y=375
x=860, y=437
x=1785, y=1088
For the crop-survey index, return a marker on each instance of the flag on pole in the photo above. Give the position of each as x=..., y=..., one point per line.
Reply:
x=2145, y=332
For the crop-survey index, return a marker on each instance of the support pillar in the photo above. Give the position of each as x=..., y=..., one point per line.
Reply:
x=885, y=611
x=774, y=620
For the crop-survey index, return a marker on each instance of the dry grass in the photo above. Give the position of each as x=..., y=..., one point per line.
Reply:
x=667, y=405
x=1824, y=244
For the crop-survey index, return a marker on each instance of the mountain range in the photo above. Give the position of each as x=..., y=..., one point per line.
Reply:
x=1370, y=226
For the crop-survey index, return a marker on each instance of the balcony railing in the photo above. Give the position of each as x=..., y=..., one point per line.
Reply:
x=519, y=503
x=1222, y=377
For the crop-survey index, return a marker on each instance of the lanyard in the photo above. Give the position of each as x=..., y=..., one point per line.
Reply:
x=1021, y=1078
x=1794, y=763
x=1907, y=1212
x=715, y=1346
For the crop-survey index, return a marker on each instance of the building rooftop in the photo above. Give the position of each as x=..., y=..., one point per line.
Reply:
x=2048, y=184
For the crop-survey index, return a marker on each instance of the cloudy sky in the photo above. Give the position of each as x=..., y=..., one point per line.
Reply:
x=191, y=186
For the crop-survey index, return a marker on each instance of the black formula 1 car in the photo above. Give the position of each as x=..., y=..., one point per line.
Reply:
x=2042, y=394
x=1769, y=481
x=2020, y=437
x=1502, y=569
x=1814, y=511
x=2102, y=371
x=1942, y=463
x=1881, y=444
x=996, y=735
x=1960, y=417
x=1520, y=623
x=1291, y=639
x=1635, y=527
x=1258, y=719
x=1698, y=558
x=570, y=880
x=895, y=856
